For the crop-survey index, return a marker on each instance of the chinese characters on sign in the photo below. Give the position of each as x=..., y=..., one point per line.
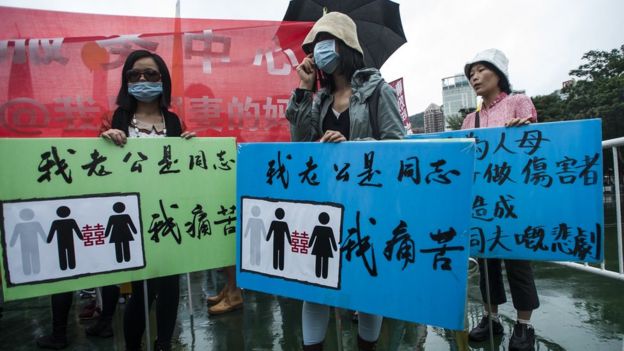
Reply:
x=340, y=223
x=537, y=191
x=82, y=212
x=228, y=80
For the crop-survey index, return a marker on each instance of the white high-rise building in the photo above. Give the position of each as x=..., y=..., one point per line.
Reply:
x=457, y=94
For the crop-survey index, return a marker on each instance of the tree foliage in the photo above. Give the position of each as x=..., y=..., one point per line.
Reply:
x=597, y=92
x=455, y=121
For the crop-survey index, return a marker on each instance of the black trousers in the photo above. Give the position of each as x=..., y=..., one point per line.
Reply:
x=110, y=297
x=166, y=291
x=61, y=303
x=521, y=283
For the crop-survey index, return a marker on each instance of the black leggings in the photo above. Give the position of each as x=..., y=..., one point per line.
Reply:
x=62, y=302
x=166, y=290
x=521, y=283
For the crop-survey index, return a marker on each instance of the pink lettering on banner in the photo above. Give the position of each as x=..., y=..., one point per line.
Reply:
x=400, y=91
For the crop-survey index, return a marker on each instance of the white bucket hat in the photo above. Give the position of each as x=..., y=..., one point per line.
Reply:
x=494, y=57
x=337, y=24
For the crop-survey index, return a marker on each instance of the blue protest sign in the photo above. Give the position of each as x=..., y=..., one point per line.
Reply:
x=351, y=223
x=537, y=191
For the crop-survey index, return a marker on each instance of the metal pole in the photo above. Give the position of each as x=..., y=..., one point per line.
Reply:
x=148, y=338
x=190, y=296
x=98, y=298
x=338, y=328
x=489, y=302
x=618, y=208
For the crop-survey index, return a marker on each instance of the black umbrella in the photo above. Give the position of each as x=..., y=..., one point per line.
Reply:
x=379, y=27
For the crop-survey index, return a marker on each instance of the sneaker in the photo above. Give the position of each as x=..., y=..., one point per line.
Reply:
x=51, y=342
x=482, y=331
x=87, y=293
x=101, y=328
x=523, y=338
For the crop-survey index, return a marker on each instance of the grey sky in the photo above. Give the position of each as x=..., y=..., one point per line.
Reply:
x=543, y=39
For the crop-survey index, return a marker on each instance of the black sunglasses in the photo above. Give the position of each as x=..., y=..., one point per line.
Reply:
x=134, y=75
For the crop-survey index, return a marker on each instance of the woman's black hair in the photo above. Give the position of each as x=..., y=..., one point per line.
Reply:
x=350, y=61
x=128, y=102
x=503, y=83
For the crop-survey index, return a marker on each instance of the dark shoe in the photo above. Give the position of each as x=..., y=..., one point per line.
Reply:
x=313, y=347
x=482, y=331
x=523, y=338
x=52, y=342
x=101, y=328
x=364, y=345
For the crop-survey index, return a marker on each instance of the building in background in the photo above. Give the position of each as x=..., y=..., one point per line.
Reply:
x=434, y=119
x=457, y=94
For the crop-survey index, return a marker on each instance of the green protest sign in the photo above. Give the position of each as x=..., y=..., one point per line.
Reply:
x=79, y=213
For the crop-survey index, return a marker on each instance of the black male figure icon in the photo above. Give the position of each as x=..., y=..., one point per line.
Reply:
x=65, y=229
x=323, y=245
x=120, y=228
x=278, y=230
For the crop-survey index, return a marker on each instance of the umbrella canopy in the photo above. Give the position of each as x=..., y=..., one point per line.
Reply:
x=379, y=27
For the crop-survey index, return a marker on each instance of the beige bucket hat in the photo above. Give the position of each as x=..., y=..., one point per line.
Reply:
x=337, y=24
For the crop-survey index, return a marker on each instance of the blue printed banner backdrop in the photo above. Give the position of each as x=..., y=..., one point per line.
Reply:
x=537, y=191
x=351, y=223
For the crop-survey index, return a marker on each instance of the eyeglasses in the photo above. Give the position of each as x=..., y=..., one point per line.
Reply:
x=134, y=75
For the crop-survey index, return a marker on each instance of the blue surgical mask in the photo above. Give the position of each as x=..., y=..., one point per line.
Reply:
x=325, y=56
x=145, y=91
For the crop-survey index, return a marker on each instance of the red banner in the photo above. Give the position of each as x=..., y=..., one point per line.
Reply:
x=398, y=87
x=60, y=72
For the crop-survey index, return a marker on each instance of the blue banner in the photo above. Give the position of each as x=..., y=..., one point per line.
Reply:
x=537, y=191
x=379, y=227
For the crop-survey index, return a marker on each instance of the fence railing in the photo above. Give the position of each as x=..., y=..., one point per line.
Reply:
x=615, y=185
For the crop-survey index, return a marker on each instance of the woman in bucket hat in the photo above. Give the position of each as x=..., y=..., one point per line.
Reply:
x=341, y=110
x=488, y=76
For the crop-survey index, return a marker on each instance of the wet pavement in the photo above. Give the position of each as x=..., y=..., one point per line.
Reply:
x=579, y=311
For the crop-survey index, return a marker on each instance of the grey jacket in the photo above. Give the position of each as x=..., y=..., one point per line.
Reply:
x=306, y=117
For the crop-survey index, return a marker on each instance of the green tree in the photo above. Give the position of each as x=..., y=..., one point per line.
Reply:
x=550, y=108
x=455, y=121
x=599, y=92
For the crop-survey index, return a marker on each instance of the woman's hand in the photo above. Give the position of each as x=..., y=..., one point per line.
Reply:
x=332, y=136
x=307, y=73
x=116, y=136
x=187, y=135
x=517, y=122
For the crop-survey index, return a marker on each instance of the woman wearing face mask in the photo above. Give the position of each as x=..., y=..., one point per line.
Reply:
x=339, y=111
x=488, y=76
x=143, y=100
